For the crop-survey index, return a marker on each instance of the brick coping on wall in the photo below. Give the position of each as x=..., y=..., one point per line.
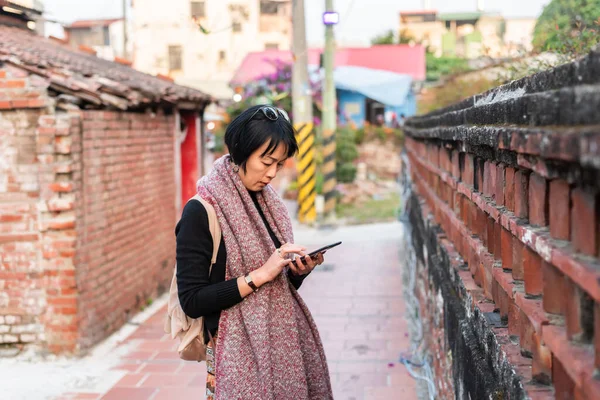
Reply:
x=512, y=176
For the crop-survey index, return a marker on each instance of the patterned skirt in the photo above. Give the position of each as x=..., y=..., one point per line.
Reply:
x=210, y=369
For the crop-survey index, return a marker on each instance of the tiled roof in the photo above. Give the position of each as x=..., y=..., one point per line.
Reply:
x=96, y=81
x=89, y=23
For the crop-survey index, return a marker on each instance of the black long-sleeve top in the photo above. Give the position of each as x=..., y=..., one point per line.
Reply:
x=202, y=295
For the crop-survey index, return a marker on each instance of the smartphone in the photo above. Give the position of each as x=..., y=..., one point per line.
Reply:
x=315, y=253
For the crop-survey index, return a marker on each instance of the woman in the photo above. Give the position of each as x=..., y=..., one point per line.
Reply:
x=262, y=340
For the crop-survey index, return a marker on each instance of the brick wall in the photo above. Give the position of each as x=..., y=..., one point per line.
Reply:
x=505, y=210
x=87, y=211
x=22, y=277
x=126, y=249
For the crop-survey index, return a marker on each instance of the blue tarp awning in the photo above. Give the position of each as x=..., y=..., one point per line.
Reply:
x=386, y=87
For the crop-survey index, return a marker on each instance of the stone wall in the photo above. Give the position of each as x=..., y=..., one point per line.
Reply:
x=505, y=216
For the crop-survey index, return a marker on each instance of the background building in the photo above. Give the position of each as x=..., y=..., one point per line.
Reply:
x=103, y=35
x=201, y=43
x=468, y=34
x=22, y=13
x=372, y=83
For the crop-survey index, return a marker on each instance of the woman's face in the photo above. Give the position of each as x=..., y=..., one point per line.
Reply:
x=260, y=171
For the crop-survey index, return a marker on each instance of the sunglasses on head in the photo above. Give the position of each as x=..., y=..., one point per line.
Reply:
x=271, y=113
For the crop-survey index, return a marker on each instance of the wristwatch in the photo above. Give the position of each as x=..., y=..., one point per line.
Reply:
x=250, y=283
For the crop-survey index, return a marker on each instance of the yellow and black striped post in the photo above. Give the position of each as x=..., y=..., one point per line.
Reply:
x=307, y=181
x=328, y=169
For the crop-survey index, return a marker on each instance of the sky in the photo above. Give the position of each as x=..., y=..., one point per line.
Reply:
x=360, y=20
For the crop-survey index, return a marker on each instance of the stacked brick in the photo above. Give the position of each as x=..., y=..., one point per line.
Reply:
x=59, y=176
x=22, y=289
x=519, y=206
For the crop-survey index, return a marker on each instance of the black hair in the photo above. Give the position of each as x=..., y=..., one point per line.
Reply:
x=244, y=135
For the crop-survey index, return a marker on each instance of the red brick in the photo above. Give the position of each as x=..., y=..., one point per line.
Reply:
x=521, y=194
x=500, y=184
x=2, y=74
x=487, y=266
x=509, y=188
x=513, y=318
x=434, y=155
x=597, y=334
x=12, y=84
x=584, y=221
x=474, y=262
x=481, y=226
x=490, y=241
x=553, y=289
x=456, y=156
x=532, y=272
x=541, y=367
x=507, y=250
x=564, y=387
x=503, y=303
x=46, y=130
x=538, y=200
x=497, y=241
x=468, y=173
x=468, y=215
x=19, y=103
x=573, y=302
x=36, y=103
x=458, y=205
x=5, y=105
x=560, y=209
x=445, y=157
x=488, y=179
x=479, y=174
x=526, y=333
x=517, y=259
x=60, y=187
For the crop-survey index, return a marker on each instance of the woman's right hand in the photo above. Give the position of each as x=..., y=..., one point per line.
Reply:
x=275, y=264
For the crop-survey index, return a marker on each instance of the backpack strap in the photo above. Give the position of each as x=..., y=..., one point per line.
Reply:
x=213, y=225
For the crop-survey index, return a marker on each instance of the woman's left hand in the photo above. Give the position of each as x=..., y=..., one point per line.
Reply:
x=302, y=268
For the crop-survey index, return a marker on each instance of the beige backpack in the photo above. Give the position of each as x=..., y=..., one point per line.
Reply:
x=189, y=331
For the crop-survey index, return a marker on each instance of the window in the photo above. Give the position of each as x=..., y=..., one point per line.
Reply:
x=197, y=9
x=106, y=36
x=236, y=27
x=175, y=59
x=271, y=46
x=222, y=55
x=269, y=7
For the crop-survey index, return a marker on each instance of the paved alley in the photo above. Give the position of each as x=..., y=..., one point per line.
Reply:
x=356, y=299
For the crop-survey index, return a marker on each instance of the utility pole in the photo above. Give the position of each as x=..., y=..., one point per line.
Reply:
x=124, y=28
x=329, y=112
x=303, y=118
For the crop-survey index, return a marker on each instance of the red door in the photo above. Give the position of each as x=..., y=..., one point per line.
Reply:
x=189, y=158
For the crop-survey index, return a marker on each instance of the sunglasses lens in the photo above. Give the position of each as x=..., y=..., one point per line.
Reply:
x=270, y=113
x=285, y=114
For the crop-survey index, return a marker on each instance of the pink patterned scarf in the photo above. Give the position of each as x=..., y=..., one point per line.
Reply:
x=269, y=347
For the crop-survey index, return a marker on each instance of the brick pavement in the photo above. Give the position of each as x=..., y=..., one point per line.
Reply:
x=356, y=300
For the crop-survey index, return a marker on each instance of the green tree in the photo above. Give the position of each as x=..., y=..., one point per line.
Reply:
x=387, y=37
x=569, y=27
x=384, y=38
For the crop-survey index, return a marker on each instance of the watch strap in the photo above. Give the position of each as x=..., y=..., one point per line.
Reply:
x=250, y=283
